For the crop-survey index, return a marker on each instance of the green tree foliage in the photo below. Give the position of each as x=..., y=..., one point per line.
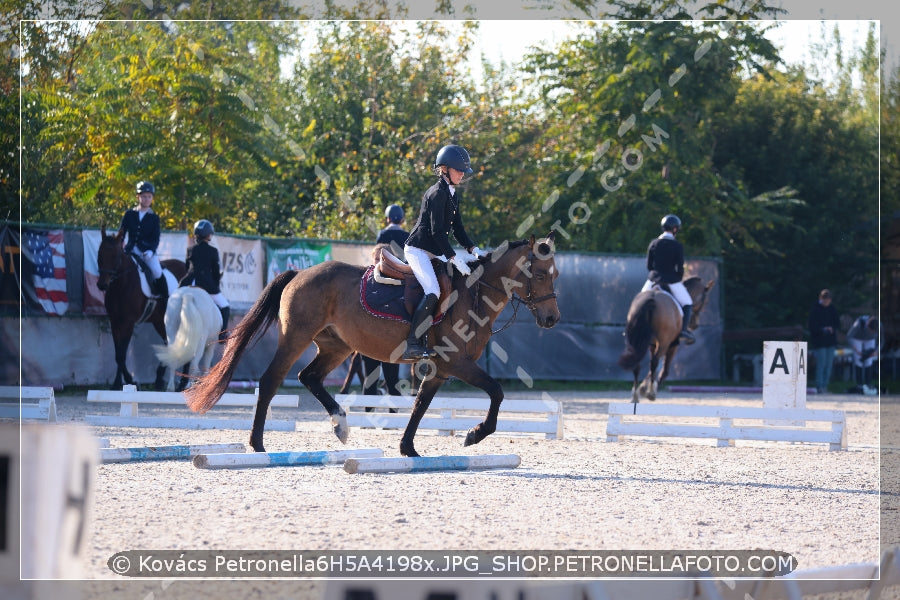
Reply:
x=597, y=138
x=635, y=107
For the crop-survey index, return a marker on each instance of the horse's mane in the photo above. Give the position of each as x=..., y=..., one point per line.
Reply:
x=509, y=246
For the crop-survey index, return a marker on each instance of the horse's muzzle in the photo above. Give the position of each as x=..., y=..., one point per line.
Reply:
x=548, y=321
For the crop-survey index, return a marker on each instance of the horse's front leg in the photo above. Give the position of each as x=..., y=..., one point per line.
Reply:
x=121, y=339
x=426, y=393
x=472, y=374
x=159, y=383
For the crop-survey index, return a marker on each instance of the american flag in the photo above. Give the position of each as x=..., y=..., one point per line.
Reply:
x=47, y=252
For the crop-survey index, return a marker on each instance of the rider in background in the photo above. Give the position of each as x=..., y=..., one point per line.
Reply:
x=203, y=270
x=665, y=263
x=141, y=225
x=395, y=236
x=430, y=238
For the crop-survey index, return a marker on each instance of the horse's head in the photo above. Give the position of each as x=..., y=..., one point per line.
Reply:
x=532, y=265
x=699, y=296
x=110, y=258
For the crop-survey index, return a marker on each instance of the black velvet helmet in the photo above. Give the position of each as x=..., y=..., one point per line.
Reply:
x=670, y=222
x=455, y=157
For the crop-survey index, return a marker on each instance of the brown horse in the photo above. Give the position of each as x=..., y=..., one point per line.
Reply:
x=126, y=304
x=654, y=323
x=321, y=305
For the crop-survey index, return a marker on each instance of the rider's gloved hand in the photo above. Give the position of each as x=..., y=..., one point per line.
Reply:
x=461, y=265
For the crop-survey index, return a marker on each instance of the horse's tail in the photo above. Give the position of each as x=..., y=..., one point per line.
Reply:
x=207, y=390
x=190, y=336
x=638, y=333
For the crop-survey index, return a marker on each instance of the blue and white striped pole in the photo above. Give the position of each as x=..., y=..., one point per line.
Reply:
x=432, y=463
x=281, y=459
x=120, y=455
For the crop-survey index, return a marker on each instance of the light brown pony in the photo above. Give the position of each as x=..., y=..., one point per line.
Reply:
x=654, y=324
x=321, y=305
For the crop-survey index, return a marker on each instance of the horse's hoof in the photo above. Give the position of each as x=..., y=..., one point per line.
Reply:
x=472, y=438
x=257, y=446
x=339, y=426
x=408, y=450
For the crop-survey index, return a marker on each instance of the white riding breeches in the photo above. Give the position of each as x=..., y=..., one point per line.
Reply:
x=420, y=261
x=678, y=290
x=152, y=261
x=220, y=300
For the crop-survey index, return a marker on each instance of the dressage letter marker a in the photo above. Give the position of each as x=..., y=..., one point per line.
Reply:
x=119, y=455
x=432, y=463
x=281, y=459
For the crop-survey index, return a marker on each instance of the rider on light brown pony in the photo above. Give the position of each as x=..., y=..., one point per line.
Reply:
x=665, y=264
x=430, y=238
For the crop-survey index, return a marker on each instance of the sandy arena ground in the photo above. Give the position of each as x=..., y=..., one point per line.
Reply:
x=579, y=493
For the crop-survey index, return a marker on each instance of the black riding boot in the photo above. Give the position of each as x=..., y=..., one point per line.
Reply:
x=161, y=287
x=226, y=312
x=686, y=336
x=421, y=322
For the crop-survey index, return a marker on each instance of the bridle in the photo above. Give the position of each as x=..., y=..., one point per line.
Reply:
x=529, y=300
x=116, y=271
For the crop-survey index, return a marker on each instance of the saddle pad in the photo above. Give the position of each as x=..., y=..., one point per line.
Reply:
x=385, y=301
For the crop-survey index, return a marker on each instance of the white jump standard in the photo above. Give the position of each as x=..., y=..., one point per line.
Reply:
x=281, y=459
x=431, y=463
x=120, y=455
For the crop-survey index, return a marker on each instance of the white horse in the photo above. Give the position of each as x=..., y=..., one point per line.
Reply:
x=193, y=323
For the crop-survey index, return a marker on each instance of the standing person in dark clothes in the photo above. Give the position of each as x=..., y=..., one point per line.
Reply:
x=823, y=326
x=203, y=270
x=141, y=226
x=665, y=264
x=394, y=235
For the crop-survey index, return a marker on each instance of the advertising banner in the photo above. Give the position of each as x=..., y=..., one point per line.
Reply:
x=285, y=255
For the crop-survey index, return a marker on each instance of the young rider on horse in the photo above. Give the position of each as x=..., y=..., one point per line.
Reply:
x=203, y=270
x=142, y=226
x=665, y=263
x=430, y=238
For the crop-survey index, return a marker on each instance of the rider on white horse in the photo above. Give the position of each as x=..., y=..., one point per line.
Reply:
x=665, y=263
x=204, y=269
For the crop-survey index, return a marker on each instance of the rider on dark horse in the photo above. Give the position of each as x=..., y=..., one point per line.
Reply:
x=141, y=225
x=665, y=263
x=430, y=238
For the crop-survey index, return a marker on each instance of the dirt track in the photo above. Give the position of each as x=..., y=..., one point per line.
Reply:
x=579, y=493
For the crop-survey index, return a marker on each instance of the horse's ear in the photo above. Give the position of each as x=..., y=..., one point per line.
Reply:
x=120, y=235
x=531, y=241
x=551, y=237
x=102, y=230
x=710, y=284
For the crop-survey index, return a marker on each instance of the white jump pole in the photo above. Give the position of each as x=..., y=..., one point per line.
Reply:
x=432, y=463
x=281, y=459
x=120, y=455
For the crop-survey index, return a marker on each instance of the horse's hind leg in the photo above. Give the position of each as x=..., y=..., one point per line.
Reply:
x=290, y=347
x=635, y=396
x=332, y=352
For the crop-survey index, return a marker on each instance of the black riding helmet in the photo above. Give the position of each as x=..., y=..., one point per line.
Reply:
x=670, y=222
x=394, y=214
x=454, y=157
x=203, y=228
x=145, y=186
